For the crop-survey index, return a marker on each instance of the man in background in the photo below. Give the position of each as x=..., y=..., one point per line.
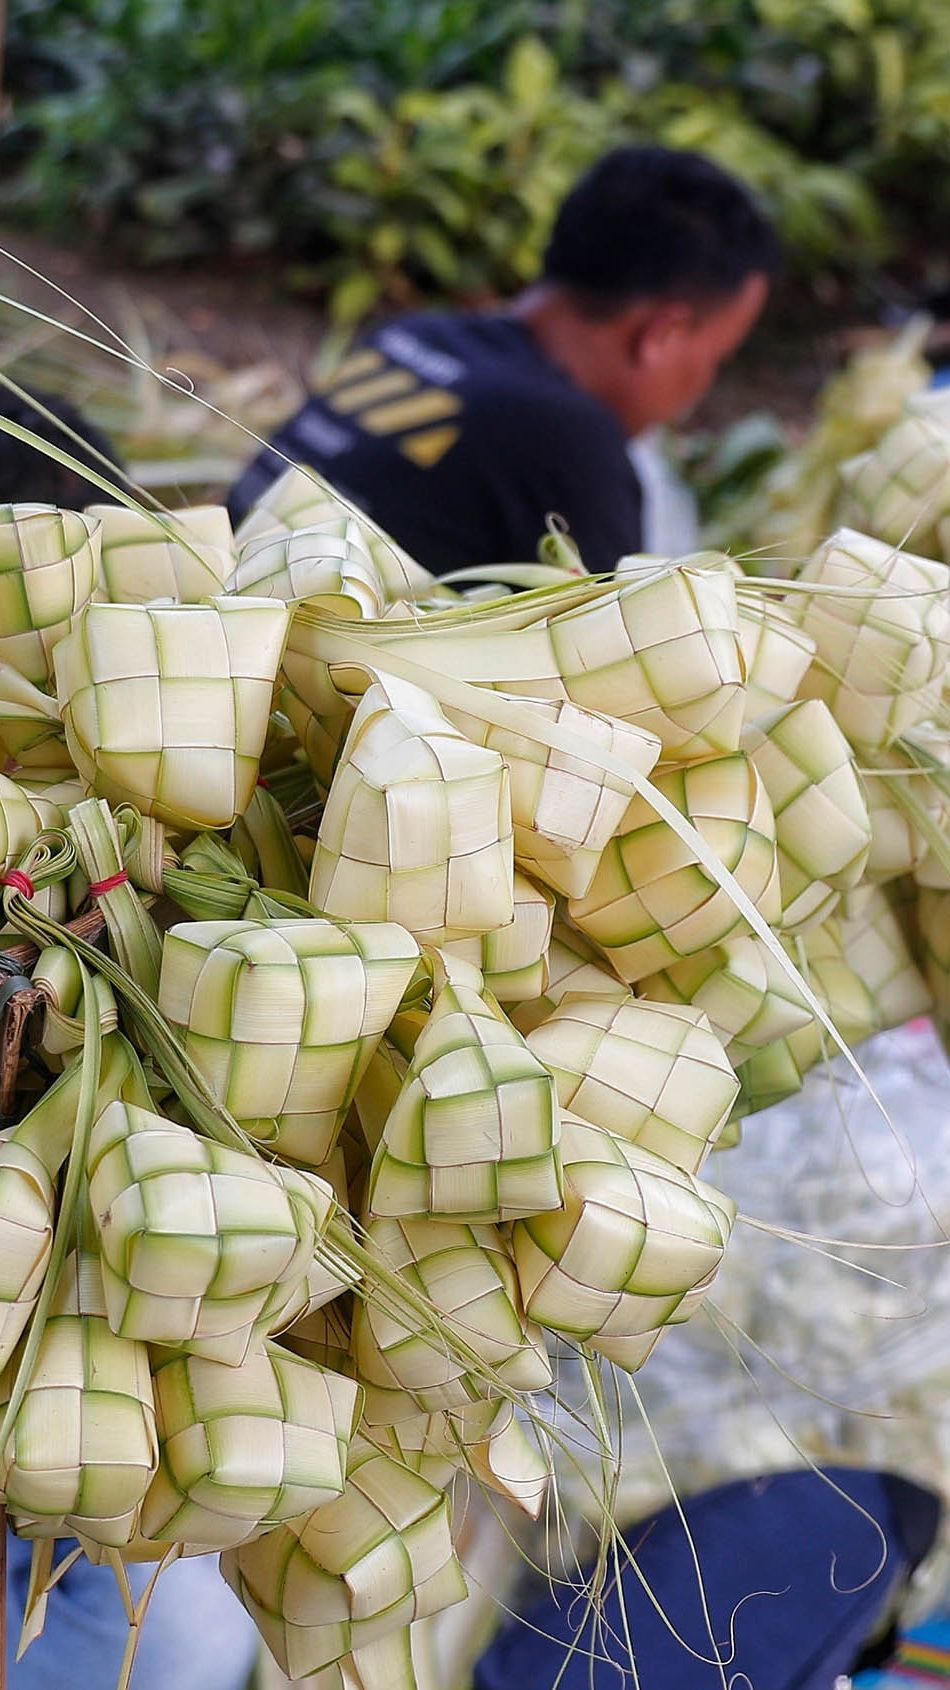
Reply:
x=459, y=432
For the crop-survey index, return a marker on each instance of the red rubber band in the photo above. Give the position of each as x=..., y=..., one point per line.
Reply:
x=19, y=881
x=264, y=783
x=97, y=887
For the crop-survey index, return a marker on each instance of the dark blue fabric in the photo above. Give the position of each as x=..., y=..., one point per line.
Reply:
x=777, y=1533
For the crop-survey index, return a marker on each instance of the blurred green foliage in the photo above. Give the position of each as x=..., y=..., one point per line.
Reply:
x=392, y=149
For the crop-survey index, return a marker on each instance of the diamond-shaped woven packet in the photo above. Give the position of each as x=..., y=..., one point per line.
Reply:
x=282, y=1017
x=199, y=1242
x=183, y=556
x=876, y=949
x=486, y=1441
x=467, y=1272
x=352, y=1571
x=899, y=491
x=653, y=1073
x=822, y=828
x=651, y=901
x=564, y=811
x=661, y=651
x=49, y=564
x=83, y=1446
x=417, y=824
x=777, y=654
x=636, y=1239
x=883, y=643
x=514, y=959
x=776, y=1070
x=300, y=498
x=473, y=1133
x=327, y=566
x=574, y=965
x=245, y=1447
x=745, y=993
x=167, y=706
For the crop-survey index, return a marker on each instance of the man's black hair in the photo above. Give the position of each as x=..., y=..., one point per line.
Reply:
x=28, y=476
x=657, y=222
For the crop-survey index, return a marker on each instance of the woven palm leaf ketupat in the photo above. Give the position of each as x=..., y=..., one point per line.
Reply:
x=184, y=556
x=635, y=1248
x=299, y=499
x=417, y=824
x=245, y=1448
x=486, y=1440
x=883, y=638
x=651, y=902
x=467, y=1272
x=49, y=565
x=473, y=1133
x=742, y=989
x=899, y=491
x=514, y=959
x=653, y=1074
x=564, y=811
x=167, y=707
x=353, y=1571
x=822, y=828
x=328, y=566
x=83, y=1446
x=876, y=949
x=282, y=1018
x=574, y=965
x=776, y=652
x=199, y=1243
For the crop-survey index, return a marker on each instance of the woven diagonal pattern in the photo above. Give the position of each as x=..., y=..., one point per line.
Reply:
x=83, y=1446
x=900, y=490
x=185, y=556
x=27, y=1204
x=662, y=652
x=651, y=901
x=167, y=707
x=352, y=1571
x=934, y=917
x=243, y=1447
x=654, y=1074
x=328, y=566
x=776, y=653
x=300, y=498
x=473, y=1134
x=564, y=811
x=876, y=950
x=467, y=1272
x=514, y=959
x=485, y=1440
x=637, y=1246
x=198, y=1241
x=746, y=994
x=282, y=1018
x=883, y=654
x=417, y=824
x=49, y=564
x=822, y=828
x=574, y=965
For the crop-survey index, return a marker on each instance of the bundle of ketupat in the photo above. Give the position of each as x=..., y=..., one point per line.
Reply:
x=592, y=875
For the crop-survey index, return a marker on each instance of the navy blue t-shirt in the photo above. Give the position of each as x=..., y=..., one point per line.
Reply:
x=459, y=436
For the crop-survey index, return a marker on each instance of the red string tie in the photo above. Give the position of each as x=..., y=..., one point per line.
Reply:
x=20, y=882
x=264, y=783
x=97, y=887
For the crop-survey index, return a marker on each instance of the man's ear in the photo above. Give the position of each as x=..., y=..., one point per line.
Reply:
x=655, y=330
